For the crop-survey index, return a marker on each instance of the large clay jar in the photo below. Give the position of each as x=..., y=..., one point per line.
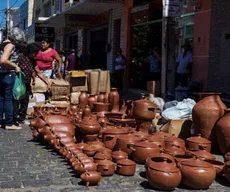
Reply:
x=91, y=178
x=223, y=132
x=162, y=173
x=198, y=143
x=83, y=100
x=89, y=126
x=206, y=113
x=197, y=174
x=114, y=99
x=92, y=99
x=227, y=171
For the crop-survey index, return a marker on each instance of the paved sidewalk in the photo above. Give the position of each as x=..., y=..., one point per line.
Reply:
x=27, y=166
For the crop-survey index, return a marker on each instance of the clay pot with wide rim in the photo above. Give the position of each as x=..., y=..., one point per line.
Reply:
x=92, y=99
x=202, y=154
x=83, y=100
x=161, y=169
x=118, y=155
x=101, y=107
x=148, y=160
x=144, y=109
x=124, y=140
x=114, y=99
x=174, y=150
x=91, y=178
x=198, y=143
x=197, y=174
x=126, y=167
x=141, y=150
x=174, y=141
x=227, y=157
x=227, y=171
x=110, y=135
x=206, y=113
x=101, y=156
x=89, y=126
x=219, y=166
x=86, y=166
x=159, y=141
x=106, y=167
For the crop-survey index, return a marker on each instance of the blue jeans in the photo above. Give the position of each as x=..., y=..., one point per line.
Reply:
x=6, y=97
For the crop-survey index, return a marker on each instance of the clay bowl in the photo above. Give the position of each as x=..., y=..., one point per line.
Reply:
x=219, y=166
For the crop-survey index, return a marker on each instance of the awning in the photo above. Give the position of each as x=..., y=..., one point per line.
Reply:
x=83, y=7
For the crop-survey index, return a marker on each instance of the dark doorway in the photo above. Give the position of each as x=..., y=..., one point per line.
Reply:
x=99, y=40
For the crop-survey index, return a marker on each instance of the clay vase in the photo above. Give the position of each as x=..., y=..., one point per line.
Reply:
x=161, y=169
x=101, y=97
x=223, y=132
x=83, y=100
x=91, y=178
x=86, y=111
x=114, y=99
x=205, y=114
x=92, y=99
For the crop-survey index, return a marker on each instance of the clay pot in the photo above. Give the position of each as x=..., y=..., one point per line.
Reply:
x=227, y=157
x=74, y=107
x=44, y=130
x=90, y=150
x=110, y=136
x=101, y=156
x=86, y=111
x=56, y=119
x=174, y=150
x=223, y=133
x=123, y=122
x=161, y=134
x=219, y=166
x=174, y=141
x=92, y=99
x=37, y=123
x=179, y=158
x=124, y=140
x=159, y=141
x=148, y=160
x=197, y=174
x=206, y=113
x=96, y=143
x=141, y=134
x=101, y=107
x=80, y=145
x=144, y=109
x=83, y=100
x=118, y=155
x=143, y=124
x=83, y=167
x=91, y=178
x=63, y=127
x=198, y=143
x=89, y=126
x=106, y=167
x=104, y=150
x=114, y=99
x=202, y=154
x=101, y=97
x=161, y=169
x=126, y=167
x=227, y=171
x=116, y=115
x=141, y=150
x=88, y=138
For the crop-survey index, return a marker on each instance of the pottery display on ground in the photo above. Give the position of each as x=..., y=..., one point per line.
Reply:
x=118, y=155
x=101, y=156
x=197, y=143
x=91, y=178
x=126, y=167
x=83, y=100
x=114, y=99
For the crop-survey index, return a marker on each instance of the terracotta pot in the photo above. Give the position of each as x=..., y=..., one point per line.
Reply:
x=144, y=109
x=206, y=113
x=174, y=141
x=44, y=130
x=198, y=143
x=118, y=155
x=83, y=167
x=104, y=150
x=223, y=133
x=219, y=166
x=61, y=134
x=96, y=143
x=101, y=97
x=124, y=140
x=143, y=124
x=162, y=155
x=197, y=174
x=80, y=145
x=110, y=115
x=101, y=107
x=88, y=138
x=106, y=167
x=110, y=136
x=102, y=156
x=90, y=150
x=37, y=123
x=63, y=127
x=91, y=178
x=161, y=134
x=159, y=141
x=83, y=100
x=126, y=167
x=56, y=119
x=227, y=157
x=123, y=122
x=89, y=126
x=202, y=154
x=174, y=150
x=227, y=171
x=114, y=99
x=160, y=170
x=92, y=99
x=86, y=111
x=179, y=158
x=66, y=140
x=141, y=150
x=141, y=134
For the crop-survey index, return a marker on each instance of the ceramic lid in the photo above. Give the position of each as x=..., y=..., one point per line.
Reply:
x=90, y=121
x=155, y=138
x=119, y=153
x=115, y=130
x=146, y=144
x=162, y=163
x=129, y=137
x=196, y=163
x=126, y=162
x=173, y=138
x=162, y=134
x=105, y=162
x=90, y=148
x=141, y=134
x=198, y=139
x=204, y=154
x=102, y=156
x=174, y=150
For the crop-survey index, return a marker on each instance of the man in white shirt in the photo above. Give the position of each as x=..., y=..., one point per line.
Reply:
x=184, y=65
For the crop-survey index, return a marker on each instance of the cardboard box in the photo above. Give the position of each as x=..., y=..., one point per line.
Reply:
x=78, y=83
x=154, y=87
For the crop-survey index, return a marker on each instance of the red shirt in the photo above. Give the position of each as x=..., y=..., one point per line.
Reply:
x=44, y=59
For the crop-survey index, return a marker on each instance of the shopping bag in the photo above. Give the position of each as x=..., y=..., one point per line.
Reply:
x=19, y=88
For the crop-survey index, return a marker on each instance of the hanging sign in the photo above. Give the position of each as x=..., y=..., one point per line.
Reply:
x=44, y=33
x=172, y=8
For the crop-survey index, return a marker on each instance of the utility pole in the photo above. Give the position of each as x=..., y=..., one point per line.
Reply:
x=7, y=17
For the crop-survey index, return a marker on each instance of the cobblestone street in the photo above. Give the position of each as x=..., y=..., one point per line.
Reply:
x=27, y=166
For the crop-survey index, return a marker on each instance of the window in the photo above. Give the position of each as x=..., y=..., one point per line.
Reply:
x=48, y=10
